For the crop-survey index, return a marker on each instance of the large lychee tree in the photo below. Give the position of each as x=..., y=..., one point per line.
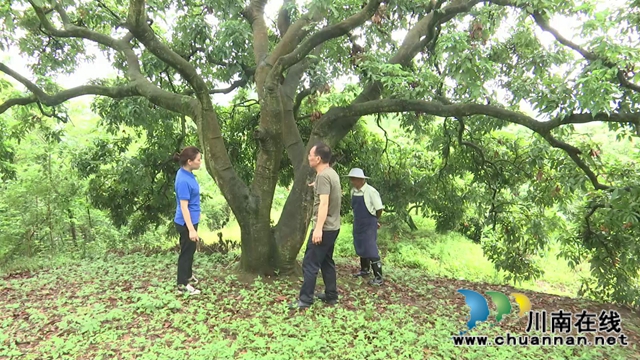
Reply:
x=473, y=63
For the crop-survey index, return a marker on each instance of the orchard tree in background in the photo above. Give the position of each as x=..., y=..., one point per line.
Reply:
x=470, y=62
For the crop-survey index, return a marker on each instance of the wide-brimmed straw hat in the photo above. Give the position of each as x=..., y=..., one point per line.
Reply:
x=357, y=173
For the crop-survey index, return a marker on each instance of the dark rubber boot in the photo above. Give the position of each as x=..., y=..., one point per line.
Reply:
x=364, y=267
x=377, y=272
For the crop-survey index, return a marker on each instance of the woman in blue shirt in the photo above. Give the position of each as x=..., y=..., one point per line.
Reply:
x=187, y=215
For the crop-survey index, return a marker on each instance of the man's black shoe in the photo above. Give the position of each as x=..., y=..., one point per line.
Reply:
x=361, y=273
x=323, y=297
x=298, y=305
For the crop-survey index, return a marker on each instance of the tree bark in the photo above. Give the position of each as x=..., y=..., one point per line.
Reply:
x=294, y=220
x=296, y=213
x=258, y=248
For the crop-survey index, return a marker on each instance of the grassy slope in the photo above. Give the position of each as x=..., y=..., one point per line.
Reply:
x=125, y=307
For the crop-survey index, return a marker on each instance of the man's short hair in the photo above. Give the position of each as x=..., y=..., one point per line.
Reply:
x=324, y=151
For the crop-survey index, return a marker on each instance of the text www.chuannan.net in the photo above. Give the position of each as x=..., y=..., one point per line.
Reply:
x=544, y=340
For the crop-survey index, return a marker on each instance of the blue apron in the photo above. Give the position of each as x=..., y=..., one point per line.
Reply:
x=365, y=229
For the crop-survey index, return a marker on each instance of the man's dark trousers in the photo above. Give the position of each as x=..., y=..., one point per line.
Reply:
x=319, y=257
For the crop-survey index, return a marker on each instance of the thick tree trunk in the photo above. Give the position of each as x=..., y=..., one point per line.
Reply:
x=259, y=251
x=294, y=222
x=270, y=250
x=258, y=247
x=267, y=250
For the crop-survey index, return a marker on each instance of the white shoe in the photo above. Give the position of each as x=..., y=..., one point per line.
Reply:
x=193, y=280
x=189, y=289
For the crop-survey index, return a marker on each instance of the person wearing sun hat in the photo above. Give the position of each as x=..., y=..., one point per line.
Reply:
x=367, y=208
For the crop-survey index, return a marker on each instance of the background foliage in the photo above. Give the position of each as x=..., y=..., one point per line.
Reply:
x=86, y=180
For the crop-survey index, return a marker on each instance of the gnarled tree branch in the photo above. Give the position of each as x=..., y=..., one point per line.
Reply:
x=233, y=188
x=290, y=134
x=284, y=17
x=459, y=110
x=588, y=55
x=254, y=13
x=325, y=34
x=52, y=100
x=137, y=25
x=202, y=110
x=468, y=109
x=294, y=35
x=583, y=118
x=474, y=146
x=574, y=153
x=236, y=84
x=303, y=94
x=116, y=92
x=437, y=109
x=144, y=87
x=17, y=101
x=71, y=30
x=461, y=141
x=245, y=76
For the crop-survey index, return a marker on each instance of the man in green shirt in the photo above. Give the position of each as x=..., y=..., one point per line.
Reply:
x=367, y=209
x=326, y=227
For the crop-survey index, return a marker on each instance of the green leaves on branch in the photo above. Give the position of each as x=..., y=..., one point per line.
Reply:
x=394, y=78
